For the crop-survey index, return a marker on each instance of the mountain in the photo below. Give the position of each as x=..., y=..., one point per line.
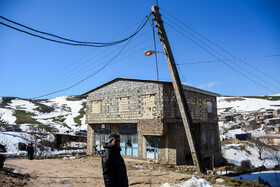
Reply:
x=67, y=113
x=60, y=114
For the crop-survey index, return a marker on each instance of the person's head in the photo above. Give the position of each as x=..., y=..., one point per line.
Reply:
x=114, y=140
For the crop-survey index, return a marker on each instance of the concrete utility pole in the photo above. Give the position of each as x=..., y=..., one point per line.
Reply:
x=179, y=93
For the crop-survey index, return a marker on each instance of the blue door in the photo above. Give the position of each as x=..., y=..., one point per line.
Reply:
x=129, y=139
x=152, y=151
x=129, y=144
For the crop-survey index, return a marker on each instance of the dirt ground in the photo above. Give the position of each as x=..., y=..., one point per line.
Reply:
x=87, y=172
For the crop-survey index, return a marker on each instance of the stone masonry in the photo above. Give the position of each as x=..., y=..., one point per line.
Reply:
x=153, y=107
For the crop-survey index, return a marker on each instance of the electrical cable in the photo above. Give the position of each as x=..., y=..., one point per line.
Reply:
x=209, y=61
x=81, y=65
x=155, y=48
x=182, y=74
x=85, y=67
x=230, y=60
x=221, y=60
x=106, y=64
x=89, y=69
x=215, y=44
x=87, y=76
x=76, y=43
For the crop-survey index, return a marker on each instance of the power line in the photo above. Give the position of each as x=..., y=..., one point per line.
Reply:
x=85, y=67
x=89, y=70
x=209, y=61
x=76, y=43
x=155, y=47
x=227, y=59
x=61, y=90
x=215, y=44
x=41, y=32
x=89, y=76
x=221, y=60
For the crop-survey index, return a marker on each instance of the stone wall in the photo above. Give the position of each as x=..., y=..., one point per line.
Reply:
x=153, y=107
x=197, y=103
x=124, y=101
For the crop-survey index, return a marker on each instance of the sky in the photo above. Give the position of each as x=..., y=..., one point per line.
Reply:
x=204, y=36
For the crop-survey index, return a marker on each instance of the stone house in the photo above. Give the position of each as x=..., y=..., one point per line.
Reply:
x=272, y=139
x=250, y=123
x=277, y=128
x=146, y=115
x=272, y=121
x=276, y=112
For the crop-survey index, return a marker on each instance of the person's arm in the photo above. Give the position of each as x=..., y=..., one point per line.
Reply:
x=107, y=167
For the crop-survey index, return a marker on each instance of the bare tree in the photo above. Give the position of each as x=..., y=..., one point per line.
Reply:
x=275, y=152
x=261, y=147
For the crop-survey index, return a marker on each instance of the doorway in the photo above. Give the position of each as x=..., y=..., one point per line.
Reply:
x=152, y=151
x=129, y=139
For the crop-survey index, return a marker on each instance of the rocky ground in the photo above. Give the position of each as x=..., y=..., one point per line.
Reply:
x=87, y=171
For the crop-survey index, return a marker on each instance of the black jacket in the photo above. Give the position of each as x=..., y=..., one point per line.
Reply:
x=114, y=170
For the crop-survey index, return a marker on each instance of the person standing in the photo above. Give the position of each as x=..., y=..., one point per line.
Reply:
x=30, y=151
x=113, y=166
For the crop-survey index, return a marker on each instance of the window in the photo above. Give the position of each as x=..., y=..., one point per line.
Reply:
x=123, y=104
x=203, y=138
x=212, y=138
x=102, y=133
x=149, y=106
x=209, y=106
x=96, y=107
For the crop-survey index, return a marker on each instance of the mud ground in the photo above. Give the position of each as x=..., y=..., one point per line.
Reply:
x=86, y=171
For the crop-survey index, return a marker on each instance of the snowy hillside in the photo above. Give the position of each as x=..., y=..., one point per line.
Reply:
x=235, y=151
x=67, y=114
x=242, y=104
x=58, y=114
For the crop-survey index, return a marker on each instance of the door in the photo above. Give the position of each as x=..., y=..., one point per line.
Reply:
x=101, y=135
x=129, y=144
x=152, y=151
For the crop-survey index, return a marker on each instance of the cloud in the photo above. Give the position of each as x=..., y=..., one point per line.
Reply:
x=208, y=85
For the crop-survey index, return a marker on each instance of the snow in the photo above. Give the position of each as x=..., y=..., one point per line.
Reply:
x=61, y=118
x=246, y=104
x=22, y=105
x=236, y=153
x=275, y=95
x=193, y=182
x=10, y=141
x=7, y=115
x=76, y=144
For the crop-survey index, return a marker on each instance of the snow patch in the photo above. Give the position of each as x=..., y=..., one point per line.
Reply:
x=193, y=182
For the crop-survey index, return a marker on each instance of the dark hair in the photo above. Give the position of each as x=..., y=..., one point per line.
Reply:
x=113, y=136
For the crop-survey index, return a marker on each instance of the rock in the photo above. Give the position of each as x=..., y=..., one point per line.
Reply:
x=219, y=180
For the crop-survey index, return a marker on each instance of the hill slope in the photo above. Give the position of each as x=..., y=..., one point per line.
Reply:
x=57, y=114
x=248, y=103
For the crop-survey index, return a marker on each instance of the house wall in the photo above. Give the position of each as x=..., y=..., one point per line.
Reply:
x=125, y=101
x=153, y=107
x=197, y=103
x=204, y=122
